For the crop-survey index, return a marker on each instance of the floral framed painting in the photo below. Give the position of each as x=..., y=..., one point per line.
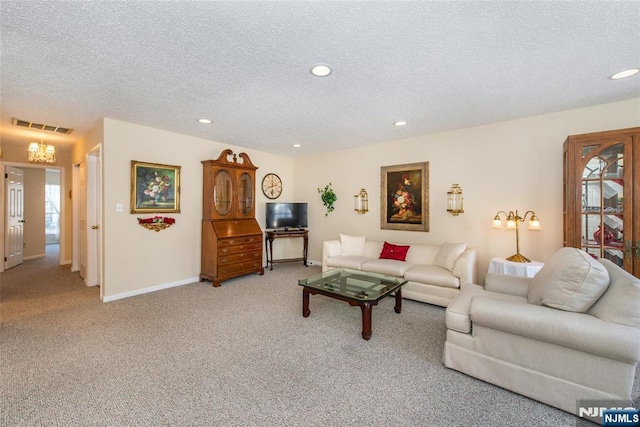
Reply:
x=155, y=188
x=404, y=197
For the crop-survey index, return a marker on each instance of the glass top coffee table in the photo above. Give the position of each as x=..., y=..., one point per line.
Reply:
x=356, y=287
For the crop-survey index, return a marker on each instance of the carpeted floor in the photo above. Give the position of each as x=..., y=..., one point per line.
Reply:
x=238, y=355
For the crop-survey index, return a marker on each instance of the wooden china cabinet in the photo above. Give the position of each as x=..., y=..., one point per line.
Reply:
x=602, y=195
x=231, y=236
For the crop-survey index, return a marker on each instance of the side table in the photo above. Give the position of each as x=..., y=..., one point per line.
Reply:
x=270, y=236
x=524, y=269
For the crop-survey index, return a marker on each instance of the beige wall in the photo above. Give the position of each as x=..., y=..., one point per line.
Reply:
x=503, y=166
x=136, y=258
x=17, y=156
x=34, y=207
x=94, y=137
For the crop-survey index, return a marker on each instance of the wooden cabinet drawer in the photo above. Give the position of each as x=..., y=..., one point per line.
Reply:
x=235, y=241
x=238, y=268
x=228, y=250
x=227, y=259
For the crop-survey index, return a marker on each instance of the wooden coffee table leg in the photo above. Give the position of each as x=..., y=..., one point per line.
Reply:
x=366, y=320
x=398, y=306
x=305, y=302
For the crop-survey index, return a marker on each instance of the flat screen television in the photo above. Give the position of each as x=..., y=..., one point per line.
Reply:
x=286, y=215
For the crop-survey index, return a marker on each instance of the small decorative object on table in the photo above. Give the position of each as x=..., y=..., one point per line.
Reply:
x=513, y=221
x=156, y=223
x=608, y=235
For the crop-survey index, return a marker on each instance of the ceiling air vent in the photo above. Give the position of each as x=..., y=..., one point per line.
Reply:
x=39, y=126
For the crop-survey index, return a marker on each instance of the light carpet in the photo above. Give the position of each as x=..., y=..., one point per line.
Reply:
x=238, y=355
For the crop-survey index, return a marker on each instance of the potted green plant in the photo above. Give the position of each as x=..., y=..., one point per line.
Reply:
x=328, y=198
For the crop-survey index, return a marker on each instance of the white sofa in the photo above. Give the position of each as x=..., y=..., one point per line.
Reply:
x=570, y=333
x=426, y=281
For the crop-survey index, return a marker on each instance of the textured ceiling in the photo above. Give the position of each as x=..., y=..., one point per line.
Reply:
x=440, y=65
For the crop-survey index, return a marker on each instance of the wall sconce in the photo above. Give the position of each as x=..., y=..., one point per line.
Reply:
x=454, y=200
x=513, y=222
x=361, y=202
x=41, y=153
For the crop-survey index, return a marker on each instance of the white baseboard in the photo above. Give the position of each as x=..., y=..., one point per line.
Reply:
x=313, y=262
x=66, y=262
x=27, y=258
x=150, y=289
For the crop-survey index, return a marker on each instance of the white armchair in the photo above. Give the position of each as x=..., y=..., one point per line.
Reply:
x=570, y=333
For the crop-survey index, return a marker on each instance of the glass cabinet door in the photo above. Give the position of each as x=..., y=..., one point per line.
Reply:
x=245, y=194
x=603, y=211
x=222, y=192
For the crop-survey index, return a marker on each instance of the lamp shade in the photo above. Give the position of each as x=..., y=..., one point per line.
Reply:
x=534, y=223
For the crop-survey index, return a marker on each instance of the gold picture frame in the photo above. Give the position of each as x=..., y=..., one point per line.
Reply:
x=404, y=197
x=155, y=188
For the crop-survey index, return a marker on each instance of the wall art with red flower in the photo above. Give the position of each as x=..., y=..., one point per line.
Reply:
x=404, y=197
x=155, y=188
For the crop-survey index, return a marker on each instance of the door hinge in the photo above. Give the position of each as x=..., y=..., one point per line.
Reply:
x=6, y=175
x=5, y=259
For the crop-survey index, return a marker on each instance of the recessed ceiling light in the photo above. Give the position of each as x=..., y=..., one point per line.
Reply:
x=400, y=123
x=205, y=121
x=297, y=145
x=320, y=70
x=626, y=73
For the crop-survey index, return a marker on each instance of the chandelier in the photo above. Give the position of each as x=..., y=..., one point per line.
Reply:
x=39, y=152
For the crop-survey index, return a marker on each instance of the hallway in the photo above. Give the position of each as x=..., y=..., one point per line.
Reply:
x=24, y=287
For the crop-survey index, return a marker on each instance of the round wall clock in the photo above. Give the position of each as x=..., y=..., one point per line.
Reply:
x=272, y=186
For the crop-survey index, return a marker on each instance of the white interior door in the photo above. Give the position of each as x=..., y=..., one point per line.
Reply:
x=94, y=218
x=14, y=233
x=82, y=219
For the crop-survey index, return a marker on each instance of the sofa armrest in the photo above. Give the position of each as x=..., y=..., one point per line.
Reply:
x=330, y=248
x=507, y=284
x=579, y=331
x=466, y=266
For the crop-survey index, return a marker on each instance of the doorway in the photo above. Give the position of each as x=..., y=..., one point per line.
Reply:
x=52, y=207
x=87, y=219
x=34, y=232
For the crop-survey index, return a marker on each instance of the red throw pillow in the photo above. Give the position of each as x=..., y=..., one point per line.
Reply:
x=390, y=251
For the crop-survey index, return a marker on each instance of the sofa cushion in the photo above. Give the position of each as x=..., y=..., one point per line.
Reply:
x=391, y=251
x=348, y=261
x=621, y=302
x=432, y=275
x=390, y=267
x=571, y=280
x=449, y=254
x=352, y=245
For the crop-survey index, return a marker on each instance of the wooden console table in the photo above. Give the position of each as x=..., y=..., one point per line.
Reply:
x=279, y=234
